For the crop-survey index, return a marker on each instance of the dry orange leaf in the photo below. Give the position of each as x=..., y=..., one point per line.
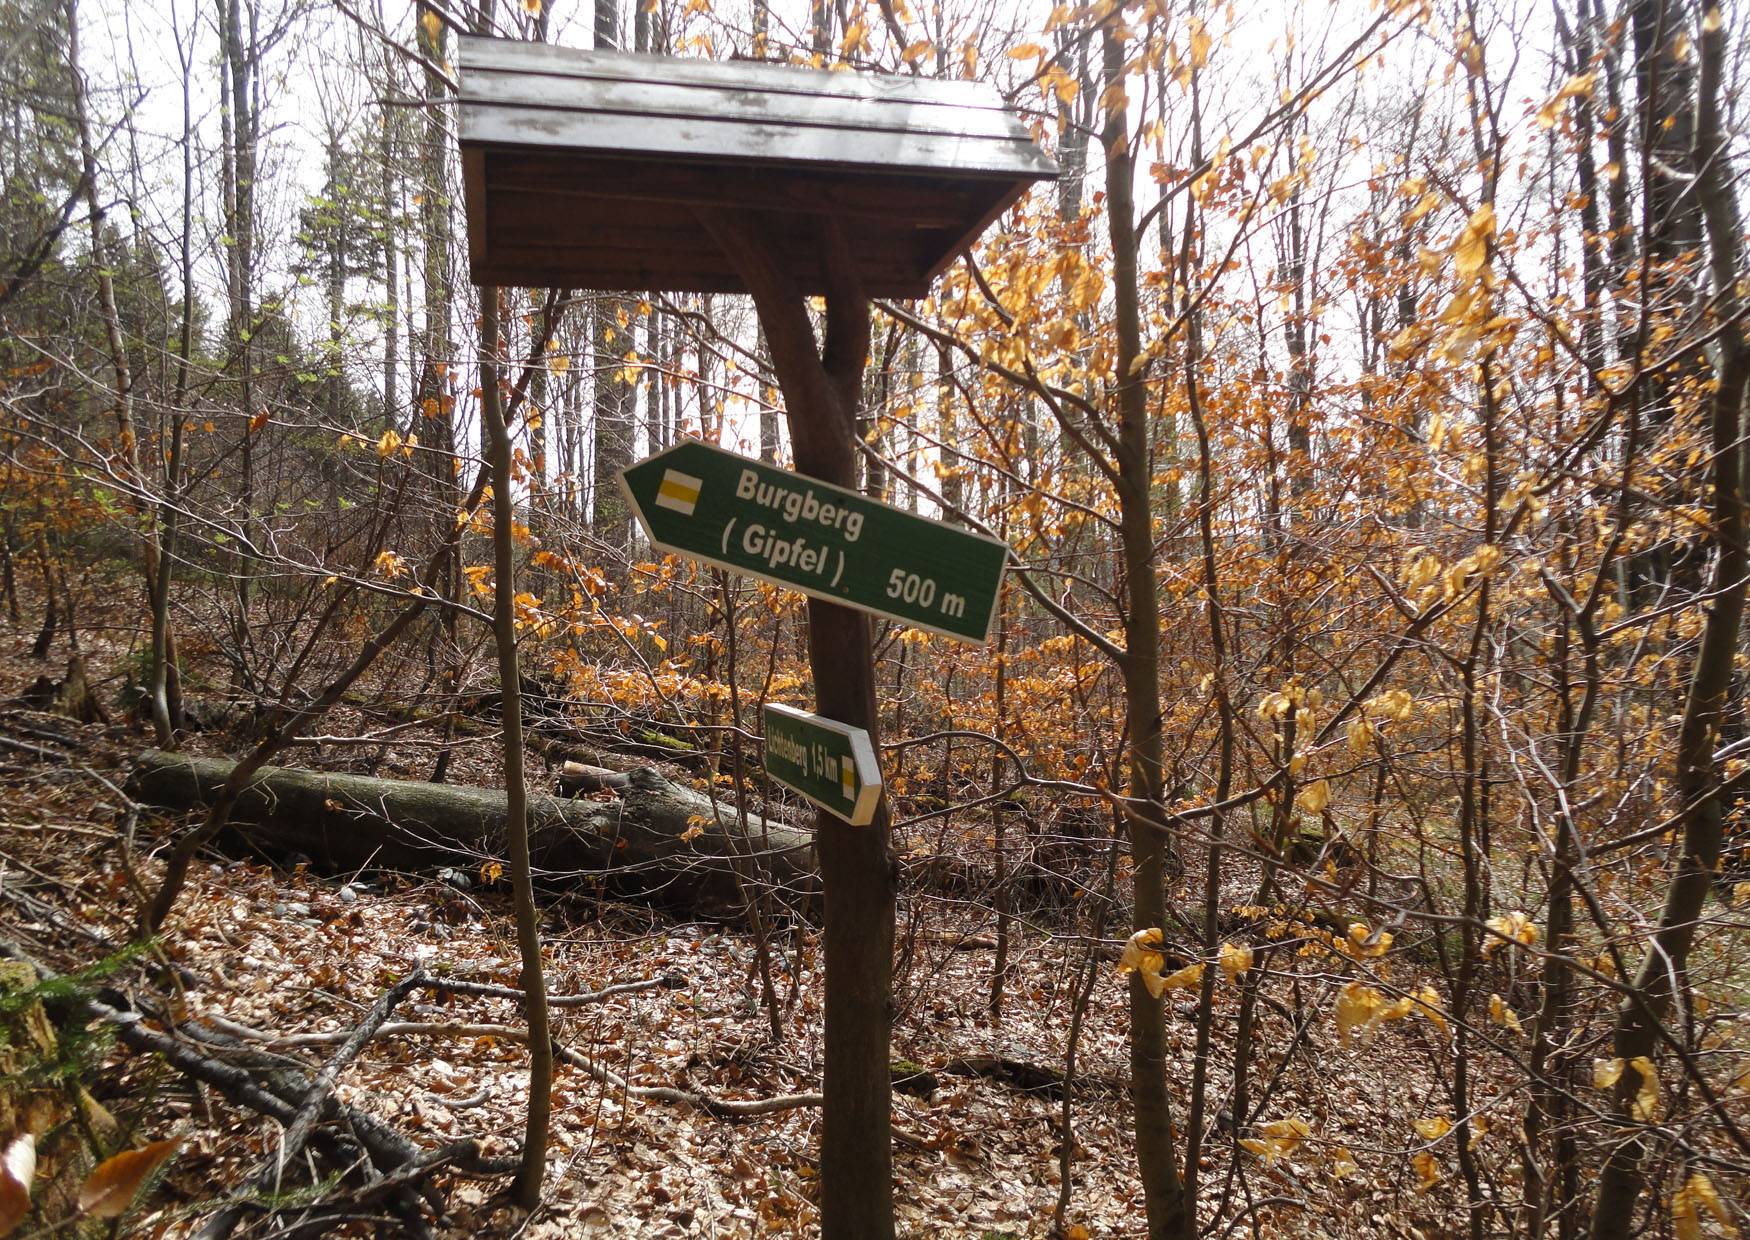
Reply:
x=1471, y=251
x=1356, y=1004
x=1234, y=958
x=1143, y=956
x=1646, y=1105
x=1279, y=1139
x=1433, y=1127
x=1689, y=1201
x=1501, y=1014
x=109, y=1190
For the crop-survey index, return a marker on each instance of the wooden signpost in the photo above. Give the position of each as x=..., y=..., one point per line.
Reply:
x=605, y=171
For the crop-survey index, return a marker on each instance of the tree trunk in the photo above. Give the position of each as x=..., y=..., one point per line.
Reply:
x=126, y=436
x=1169, y=1213
x=240, y=67
x=389, y=221
x=1699, y=789
x=616, y=400
x=527, y=1187
x=8, y=569
x=345, y=821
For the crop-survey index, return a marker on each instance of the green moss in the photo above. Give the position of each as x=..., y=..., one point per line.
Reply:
x=650, y=736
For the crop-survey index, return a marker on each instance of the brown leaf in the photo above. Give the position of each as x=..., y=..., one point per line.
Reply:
x=109, y=1190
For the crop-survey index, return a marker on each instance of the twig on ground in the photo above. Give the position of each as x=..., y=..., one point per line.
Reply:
x=722, y=1108
x=668, y=981
x=309, y=1111
x=36, y=751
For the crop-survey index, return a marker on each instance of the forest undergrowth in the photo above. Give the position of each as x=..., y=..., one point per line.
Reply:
x=289, y=957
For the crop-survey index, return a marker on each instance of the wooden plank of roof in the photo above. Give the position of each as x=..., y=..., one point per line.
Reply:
x=661, y=99
x=672, y=234
x=925, y=201
x=586, y=168
x=474, y=201
x=664, y=235
x=509, y=55
x=649, y=253
x=952, y=246
x=708, y=138
x=535, y=268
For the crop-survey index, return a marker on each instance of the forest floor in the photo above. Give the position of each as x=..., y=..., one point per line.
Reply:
x=267, y=944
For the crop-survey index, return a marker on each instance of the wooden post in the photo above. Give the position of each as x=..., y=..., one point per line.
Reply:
x=822, y=390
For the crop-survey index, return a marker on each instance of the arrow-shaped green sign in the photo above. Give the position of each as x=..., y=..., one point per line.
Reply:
x=830, y=763
x=825, y=541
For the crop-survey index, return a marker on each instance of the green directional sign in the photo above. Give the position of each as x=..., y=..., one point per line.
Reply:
x=825, y=541
x=830, y=763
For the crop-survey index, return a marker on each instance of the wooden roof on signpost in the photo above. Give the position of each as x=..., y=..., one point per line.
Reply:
x=583, y=169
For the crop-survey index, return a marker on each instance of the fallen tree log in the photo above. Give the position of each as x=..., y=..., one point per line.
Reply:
x=655, y=839
x=579, y=779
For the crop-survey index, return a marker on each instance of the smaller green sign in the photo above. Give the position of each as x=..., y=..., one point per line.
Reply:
x=831, y=764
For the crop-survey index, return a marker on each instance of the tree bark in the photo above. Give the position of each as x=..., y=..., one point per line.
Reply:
x=347, y=821
x=241, y=83
x=389, y=221
x=533, y=1169
x=1698, y=778
x=1170, y=1215
x=128, y=449
x=616, y=400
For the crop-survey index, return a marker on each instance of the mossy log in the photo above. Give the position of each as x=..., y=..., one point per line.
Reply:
x=650, y=837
